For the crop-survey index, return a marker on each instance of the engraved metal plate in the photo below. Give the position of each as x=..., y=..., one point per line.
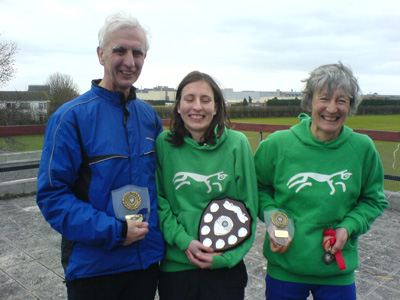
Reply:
x=282, y=233
x=134, y=217
x=131, y=200
x=224, y=224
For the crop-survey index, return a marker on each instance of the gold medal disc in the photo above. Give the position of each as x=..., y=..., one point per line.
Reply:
x=131, y=200
x=279, y=219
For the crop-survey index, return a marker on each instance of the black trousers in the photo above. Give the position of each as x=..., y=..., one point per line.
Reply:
x=132, y=285
x=198, y=284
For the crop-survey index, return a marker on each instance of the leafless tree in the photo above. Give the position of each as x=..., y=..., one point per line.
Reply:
x=8, y=50
x=62, y=89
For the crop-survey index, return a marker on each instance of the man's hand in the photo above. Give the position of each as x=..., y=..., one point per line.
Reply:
x=136, y=231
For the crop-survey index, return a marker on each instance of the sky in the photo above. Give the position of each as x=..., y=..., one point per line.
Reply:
x=251, y=45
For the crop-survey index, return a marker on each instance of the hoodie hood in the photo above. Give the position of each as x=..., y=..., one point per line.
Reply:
x=206, y=147
x=303, y=132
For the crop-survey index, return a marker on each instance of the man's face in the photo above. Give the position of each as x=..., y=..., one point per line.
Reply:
x=122, y=58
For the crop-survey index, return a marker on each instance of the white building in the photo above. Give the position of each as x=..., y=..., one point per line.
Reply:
x=32, y=102
x=168, y=94
x=158, y=93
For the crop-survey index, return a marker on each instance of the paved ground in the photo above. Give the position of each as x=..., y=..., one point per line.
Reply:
x=30, y=265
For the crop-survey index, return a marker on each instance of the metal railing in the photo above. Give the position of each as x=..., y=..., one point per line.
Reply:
x=386, y=136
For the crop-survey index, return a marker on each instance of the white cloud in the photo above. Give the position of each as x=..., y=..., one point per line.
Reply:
x=246, y=45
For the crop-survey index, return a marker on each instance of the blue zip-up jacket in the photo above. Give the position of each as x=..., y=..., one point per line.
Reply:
x=93, y=145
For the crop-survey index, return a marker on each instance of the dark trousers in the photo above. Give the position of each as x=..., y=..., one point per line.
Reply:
x=284, y=290
x=198, y=284
x=132, y=285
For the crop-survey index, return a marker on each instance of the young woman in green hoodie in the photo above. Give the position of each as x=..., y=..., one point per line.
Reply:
x=198, y=161
x=329, y=181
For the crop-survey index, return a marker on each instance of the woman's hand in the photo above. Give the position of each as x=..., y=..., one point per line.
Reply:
x=274, y=245
x=200, y=255
x=341, y=238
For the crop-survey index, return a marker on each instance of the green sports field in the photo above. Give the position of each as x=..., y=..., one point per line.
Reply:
x=389, y=152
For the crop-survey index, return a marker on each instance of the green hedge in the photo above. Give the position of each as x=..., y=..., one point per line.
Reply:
x=282, y=111
x=385, y=102
x=283, y=102
x=366, y=102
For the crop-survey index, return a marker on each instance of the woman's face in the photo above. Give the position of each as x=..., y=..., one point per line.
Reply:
x=197, y=108
x=328, y=114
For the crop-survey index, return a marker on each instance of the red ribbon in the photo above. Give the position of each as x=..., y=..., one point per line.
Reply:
x=338, y=255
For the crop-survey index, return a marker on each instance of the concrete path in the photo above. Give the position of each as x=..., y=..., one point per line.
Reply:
x=30, y=265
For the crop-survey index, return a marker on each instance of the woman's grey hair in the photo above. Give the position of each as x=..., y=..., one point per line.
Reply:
x=118, y=21
x=332, y=77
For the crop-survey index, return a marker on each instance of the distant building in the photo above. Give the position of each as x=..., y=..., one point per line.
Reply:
x=169, y=94
x=257, y=96
x=39, y=88
x=376, y=96
x=157, y=93
x=33, y=102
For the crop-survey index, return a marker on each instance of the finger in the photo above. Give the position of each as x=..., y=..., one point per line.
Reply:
x=285, y=248
x=189, y=255
x=205, y=248
x=142, y=224
x=205, y=257
x=338, y=247
x=194, y=260
x=141, y=232
x=327, y=246
x=139, y=238
x=274, y=246
x=138, y=224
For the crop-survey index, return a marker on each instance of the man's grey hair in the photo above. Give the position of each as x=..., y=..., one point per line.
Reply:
x=118, y=21
x=332, y=77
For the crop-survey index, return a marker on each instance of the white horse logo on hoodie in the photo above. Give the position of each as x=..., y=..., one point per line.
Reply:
x=183, y=176
x=329, y=179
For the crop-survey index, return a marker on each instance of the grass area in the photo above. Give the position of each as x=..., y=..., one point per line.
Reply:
x=387, y=150
x=22, y=142
x=367, y=122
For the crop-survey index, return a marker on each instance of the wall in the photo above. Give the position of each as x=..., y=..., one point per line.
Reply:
x=22, y=130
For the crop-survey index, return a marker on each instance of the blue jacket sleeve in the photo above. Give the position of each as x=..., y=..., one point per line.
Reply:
x=75, y=219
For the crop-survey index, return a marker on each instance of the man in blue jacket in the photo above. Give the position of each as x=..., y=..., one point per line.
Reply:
x=98, y=165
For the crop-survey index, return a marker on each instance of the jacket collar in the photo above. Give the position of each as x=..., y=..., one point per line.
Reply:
x=118, y=97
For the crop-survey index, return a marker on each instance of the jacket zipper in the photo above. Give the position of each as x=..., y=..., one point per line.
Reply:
x=126, y=115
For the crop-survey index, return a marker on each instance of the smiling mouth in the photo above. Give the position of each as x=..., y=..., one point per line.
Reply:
x=126, y=72
x=330, y=118
x=196, y=117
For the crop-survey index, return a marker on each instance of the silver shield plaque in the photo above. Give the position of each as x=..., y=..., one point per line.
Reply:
x=224, y=224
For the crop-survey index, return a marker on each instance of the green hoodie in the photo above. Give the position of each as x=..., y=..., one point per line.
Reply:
x=225, y=169
x=321, y=185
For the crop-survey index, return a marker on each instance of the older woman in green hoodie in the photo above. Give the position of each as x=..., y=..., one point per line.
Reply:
x=329, y=181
